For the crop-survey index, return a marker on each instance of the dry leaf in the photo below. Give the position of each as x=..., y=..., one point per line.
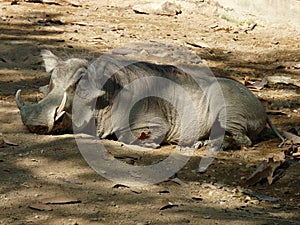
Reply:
x=40, y=207
x=60, y=200
x=136, y=191
x=252, y=26
x=256, y=84
x=274, y=165
x=49, y=22
x=9, y=142
x=296, y=155
x=120, y=186
x=284, y=80
x=127, y=159
x=264, y=171
x=4, y=141
x=68, y=180
x=226, y=29
x=167, y=204
x=296, y=66
x=260, y=196
x=198, y=44
x=73, y=3
x=293, y=152
x=292, y=137
x=82, y=23
x=197, y=197
x=43, y=2
x=178, y=181
x=275, y=112
x=15, y=2
x=258, y=174
x=3, y=60
x=164, y=192
x=295, y=130
x=38, y=185
x=164, y=8
x=56, y=2
x=34, y=1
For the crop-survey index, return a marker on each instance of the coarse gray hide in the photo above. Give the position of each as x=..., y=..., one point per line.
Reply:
x=143, y=103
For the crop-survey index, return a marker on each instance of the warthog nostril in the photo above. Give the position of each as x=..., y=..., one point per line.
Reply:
x=38, y=129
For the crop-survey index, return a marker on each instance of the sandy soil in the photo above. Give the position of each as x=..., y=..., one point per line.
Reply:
x=48, y=166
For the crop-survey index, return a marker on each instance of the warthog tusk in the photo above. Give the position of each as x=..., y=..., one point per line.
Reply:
x=19, y=100
x=59, y=115
x=62, y=104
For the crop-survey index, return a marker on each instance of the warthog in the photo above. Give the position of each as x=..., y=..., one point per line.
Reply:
x=165, y=103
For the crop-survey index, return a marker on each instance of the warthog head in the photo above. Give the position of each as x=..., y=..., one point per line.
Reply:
x=53, y=113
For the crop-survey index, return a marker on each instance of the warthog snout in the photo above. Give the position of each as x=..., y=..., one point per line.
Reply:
x=43, y=117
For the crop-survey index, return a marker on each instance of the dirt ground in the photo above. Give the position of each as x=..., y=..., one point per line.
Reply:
x=51, y=166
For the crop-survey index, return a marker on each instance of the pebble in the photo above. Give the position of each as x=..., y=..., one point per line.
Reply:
x=101, y=199
x=254, y=202
x=277, y=206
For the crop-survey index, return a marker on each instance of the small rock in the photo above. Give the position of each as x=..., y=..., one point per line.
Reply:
x=113, y=204
x=247, y=199
x=166, y=8
x=274, y=42
x=254, y=202
x=277, y=206
x=101, y=199
x=297, y=66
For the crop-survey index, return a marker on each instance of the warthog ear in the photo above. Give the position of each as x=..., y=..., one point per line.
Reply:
x=88, y=92
x=50, y=60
